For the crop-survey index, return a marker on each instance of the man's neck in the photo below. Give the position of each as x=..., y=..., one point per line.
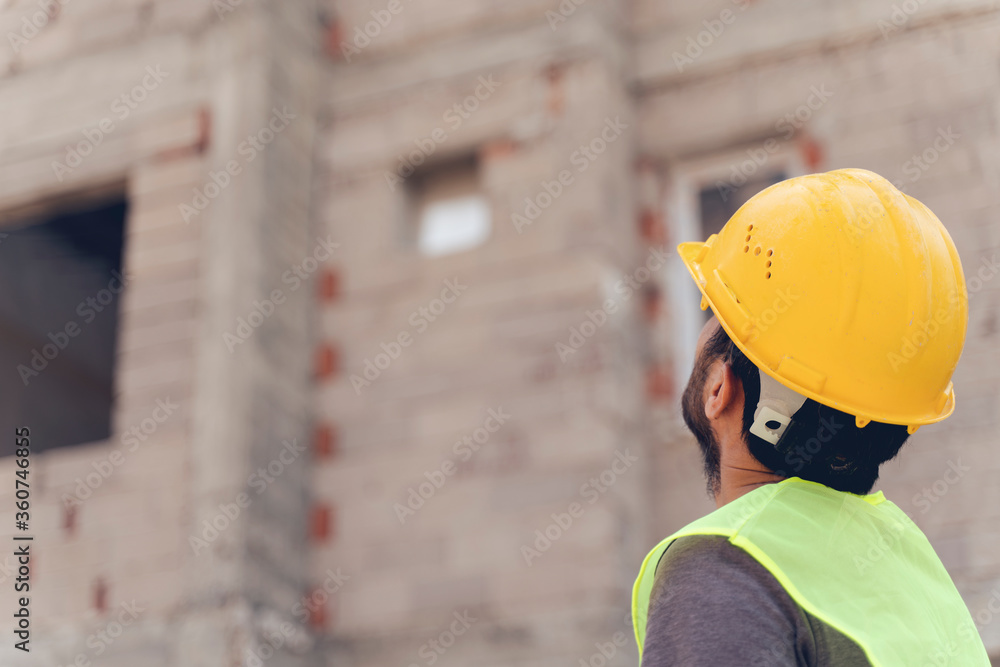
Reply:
x=740, y=477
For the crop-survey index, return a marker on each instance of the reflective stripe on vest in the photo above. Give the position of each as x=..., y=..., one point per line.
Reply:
x=857, y=563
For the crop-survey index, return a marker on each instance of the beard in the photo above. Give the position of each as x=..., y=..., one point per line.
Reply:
x=693, y=411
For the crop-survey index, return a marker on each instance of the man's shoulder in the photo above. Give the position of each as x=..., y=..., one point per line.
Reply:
x=709, y=590
x=713, y=604
x=697, y=554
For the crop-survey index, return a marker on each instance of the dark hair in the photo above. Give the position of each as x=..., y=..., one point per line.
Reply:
x=822, y=445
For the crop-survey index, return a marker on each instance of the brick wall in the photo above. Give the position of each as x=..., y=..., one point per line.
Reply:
x=416, y=561
x=202, y=246
x=374, y=536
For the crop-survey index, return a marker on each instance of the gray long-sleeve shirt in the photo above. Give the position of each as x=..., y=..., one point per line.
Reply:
x=713, y=605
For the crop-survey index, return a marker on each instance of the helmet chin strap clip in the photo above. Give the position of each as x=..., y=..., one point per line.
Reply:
x=775, y=409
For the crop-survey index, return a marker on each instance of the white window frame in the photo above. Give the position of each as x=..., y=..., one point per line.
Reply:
x=685, y=181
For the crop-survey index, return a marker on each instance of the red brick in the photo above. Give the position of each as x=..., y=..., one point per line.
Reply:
x=326, y=361
x=334, y=37
x=329, y=285
x=324, y=441
x=651, y=302
x=557, y=92
x=812, y=152
x=69, y=520
x=320, y=522
x=317, y=614
x=204, y=129
x=100, y=595
x=659, y=385
x=651, y=228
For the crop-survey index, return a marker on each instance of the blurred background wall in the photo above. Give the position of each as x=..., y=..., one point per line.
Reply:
x=398, y=330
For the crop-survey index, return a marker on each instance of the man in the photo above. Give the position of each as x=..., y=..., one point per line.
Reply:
x=840, y=312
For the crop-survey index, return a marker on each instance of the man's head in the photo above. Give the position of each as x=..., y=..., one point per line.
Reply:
x=849, y=293
x=825, y=446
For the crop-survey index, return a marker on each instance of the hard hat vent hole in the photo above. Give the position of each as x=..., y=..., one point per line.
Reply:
x=748, y=238
x=770, y=252
x=756, y=251
x=768, y=265
x=749, y=228
x=746, y=248
x=767, y=275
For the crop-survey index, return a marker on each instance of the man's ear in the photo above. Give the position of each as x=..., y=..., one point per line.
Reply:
x=720, y=389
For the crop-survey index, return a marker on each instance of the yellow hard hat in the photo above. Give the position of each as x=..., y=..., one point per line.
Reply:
x=844, y=289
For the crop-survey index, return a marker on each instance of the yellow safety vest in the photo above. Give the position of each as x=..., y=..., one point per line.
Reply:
x=857, y=563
